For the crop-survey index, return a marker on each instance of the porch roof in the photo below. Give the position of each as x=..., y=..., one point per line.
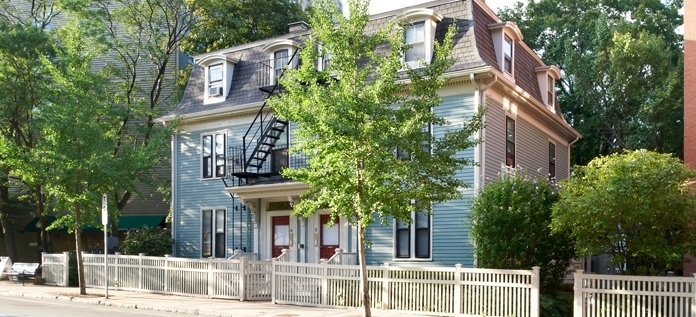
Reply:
x=283, y=189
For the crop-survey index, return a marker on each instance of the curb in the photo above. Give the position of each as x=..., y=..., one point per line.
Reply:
x=111, y=304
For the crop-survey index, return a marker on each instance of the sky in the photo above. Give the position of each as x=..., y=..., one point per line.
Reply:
x=377, y=6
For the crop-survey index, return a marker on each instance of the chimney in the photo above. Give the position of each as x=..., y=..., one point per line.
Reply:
x=296, y=27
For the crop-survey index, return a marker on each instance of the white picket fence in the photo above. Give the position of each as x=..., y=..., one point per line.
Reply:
x=436, y=291
x=634, y=296
x=54, y=268
x=213, y=278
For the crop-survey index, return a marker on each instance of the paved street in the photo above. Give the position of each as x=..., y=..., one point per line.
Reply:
x=147, y=304
x=21, y=307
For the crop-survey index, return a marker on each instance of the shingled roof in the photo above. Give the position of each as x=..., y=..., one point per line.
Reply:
x=473, y=48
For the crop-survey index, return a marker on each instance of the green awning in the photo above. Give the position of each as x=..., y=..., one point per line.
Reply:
x=129, y=222
x=125, y=222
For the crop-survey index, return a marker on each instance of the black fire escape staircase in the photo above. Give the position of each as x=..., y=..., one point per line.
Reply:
x=250, y=162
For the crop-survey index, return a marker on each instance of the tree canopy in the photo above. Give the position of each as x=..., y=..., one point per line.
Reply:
x=636, y=206
x=622, y=67
x=353, y=116
x=226, y=23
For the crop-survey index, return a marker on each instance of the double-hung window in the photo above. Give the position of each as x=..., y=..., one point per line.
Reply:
x=415, y=37
x=507, y=51
x=280, y=60
x=552, y=160
x=551, y=91
x=215, y=80
x=213, y=233
x=413, y=240
x=213, y=160
x=510, y=142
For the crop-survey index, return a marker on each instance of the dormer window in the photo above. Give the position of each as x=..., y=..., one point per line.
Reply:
x=219, y=70
x=215, y=80
x=415, y=37
x=420, y=36
x=279, y=53
x=507, y=51
x=504, y=36
x=551, y=91
x=547, y=76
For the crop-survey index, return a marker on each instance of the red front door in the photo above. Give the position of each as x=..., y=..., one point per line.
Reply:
x=280, y=238
x=329, y=237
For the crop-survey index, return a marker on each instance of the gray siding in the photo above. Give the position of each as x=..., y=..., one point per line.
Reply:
x=494, y=140
x=532, y=148
x=194, y=193
x=450, y=233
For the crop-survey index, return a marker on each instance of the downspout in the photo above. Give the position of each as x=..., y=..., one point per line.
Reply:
x=577, y=138
x=480, y=96
x=173, y=203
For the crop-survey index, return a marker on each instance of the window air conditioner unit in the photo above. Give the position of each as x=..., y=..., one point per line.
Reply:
x=215, y=91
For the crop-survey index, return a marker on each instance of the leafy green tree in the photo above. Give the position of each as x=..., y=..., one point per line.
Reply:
x=142, y=38
x=78, y=129
x=622, y=65
x=510, y=220
x=23, y=84
x=150, y=241
x=636, y=206
x=221, y=24
x=349, y=125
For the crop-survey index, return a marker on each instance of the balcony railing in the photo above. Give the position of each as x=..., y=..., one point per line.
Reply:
x=269, y=71
x=279, y=159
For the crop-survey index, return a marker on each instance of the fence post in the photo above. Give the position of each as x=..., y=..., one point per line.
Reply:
x=140, y=273
x=242, y=278
x=534, y=296
x=66, y=269
x=117, y=283
x=211, y=279
x=577, y=294
x=457, y=289
x=273, y=281
x=324, y=284
x=385, y=287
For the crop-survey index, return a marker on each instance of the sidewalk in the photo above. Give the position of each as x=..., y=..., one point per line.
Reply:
x=178, y=304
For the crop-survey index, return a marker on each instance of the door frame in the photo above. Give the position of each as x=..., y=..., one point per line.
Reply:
x=266, y=246
x=314, y=235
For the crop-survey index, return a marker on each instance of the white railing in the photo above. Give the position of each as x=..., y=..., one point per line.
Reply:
x=283, y=257
x=632, y=296
x=424, y=290
x=55, y=268
x=238, y=254
x=340, y=257
x=214, y=278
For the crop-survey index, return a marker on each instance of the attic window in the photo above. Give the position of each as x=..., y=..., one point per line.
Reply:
x=507, y=51
x=551, y=97
x=547, y=76
x=219, y=70
x=504, y=36
x=420, y=36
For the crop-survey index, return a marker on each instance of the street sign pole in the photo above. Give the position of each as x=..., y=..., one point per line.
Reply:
x=105, y=222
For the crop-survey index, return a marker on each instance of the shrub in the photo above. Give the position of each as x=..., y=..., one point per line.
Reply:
x=150, y=241
x=510, y=220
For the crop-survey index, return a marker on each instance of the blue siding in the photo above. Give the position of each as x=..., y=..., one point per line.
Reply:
x=450, y=239
x=194, y=193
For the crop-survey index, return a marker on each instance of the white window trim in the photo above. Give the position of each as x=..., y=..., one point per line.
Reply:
x=273, y=47
x=412, y=244
x=213, y=225
x=200, y=142
x=514, y=165
x=228, y=64
x=543, y=73
x=430, y=20
x=498, y=33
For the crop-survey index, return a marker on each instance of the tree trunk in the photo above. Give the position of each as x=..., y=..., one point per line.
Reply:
x=78, y=248
x=46, y=245
x=7, y=230
x=364, y=287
